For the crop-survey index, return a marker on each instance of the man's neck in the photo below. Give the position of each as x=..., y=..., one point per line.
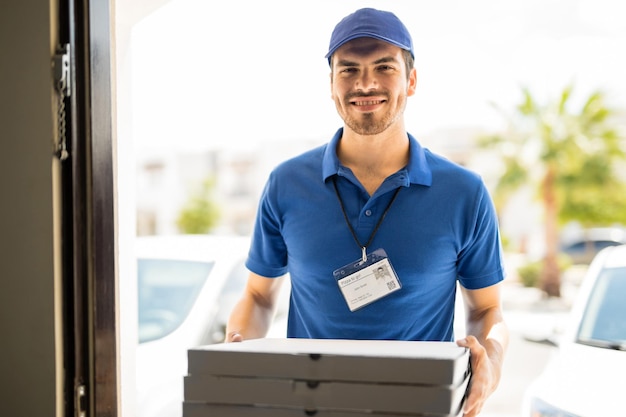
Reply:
x=372, y=158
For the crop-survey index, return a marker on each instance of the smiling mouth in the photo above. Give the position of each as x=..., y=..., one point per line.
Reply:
x=367, y=102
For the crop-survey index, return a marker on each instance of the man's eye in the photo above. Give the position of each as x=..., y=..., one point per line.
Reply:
x=348, y=70
x=385, y=68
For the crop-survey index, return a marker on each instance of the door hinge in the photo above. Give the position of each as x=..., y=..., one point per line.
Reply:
x=62, y=84
x=80, y=401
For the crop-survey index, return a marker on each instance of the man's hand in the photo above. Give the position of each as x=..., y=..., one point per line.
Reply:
x=484, y=377
x=487, y=339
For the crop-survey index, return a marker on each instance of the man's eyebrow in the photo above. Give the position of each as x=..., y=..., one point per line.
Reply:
x=348, y=63
x=385, y=60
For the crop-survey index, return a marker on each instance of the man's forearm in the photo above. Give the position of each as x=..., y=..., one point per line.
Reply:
x=252, y=316
x=249, y=319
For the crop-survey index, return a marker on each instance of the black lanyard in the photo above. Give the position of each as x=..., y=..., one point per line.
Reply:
x=345, y=216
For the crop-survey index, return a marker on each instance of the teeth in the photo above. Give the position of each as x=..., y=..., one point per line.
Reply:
x=368, y=103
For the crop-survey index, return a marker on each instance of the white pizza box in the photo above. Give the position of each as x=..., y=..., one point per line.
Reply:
x=379, y=361
x=374, y=397
x=223, y=410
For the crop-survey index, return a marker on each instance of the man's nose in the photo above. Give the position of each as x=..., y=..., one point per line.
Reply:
x=366, y=81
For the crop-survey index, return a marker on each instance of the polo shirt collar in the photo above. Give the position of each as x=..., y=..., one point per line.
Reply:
x=417, y=169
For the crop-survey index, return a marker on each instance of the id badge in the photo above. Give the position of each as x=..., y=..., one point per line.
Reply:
x=363, y=282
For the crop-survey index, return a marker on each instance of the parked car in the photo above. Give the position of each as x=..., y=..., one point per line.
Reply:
x=582, y=248
x=187, y=286
x=585, y=377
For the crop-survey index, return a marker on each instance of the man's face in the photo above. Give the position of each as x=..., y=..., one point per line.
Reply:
x=369, y=84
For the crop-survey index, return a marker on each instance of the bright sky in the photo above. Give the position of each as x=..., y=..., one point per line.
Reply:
x=239, y=73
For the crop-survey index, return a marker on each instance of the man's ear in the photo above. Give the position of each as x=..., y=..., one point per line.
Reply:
x=412, y=82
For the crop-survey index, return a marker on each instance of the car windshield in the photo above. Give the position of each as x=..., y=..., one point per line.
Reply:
x=166, y=291
x=604, y=321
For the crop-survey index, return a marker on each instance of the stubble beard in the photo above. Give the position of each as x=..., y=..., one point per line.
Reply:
x=366, y=123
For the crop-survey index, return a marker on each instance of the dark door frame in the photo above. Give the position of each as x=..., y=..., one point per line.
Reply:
x=91, y=330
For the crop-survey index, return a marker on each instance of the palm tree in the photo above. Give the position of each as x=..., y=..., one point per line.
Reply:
x=569, y=156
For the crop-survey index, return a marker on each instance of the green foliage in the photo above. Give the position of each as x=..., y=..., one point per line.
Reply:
x=530, y=273
x=589, y=207
x=580, y=147
x=200, y=214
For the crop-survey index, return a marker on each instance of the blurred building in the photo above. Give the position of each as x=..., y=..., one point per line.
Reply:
x=166, y=179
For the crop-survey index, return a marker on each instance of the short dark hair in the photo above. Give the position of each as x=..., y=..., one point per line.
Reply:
x=409, y=62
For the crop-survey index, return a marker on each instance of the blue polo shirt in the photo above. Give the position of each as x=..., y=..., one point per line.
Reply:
x=442, y=227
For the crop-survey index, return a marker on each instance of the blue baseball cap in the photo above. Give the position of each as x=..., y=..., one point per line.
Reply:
x=370, y=23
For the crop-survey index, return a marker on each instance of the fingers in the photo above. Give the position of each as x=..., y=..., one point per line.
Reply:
x=469, y=342
x=477, y=390
x=234, y=337
x=474, y=401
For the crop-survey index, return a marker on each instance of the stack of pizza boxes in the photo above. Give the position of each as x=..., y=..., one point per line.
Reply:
x=326, y=378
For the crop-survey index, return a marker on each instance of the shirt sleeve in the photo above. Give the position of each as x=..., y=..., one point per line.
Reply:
x=480, y=262
x=268, y=252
